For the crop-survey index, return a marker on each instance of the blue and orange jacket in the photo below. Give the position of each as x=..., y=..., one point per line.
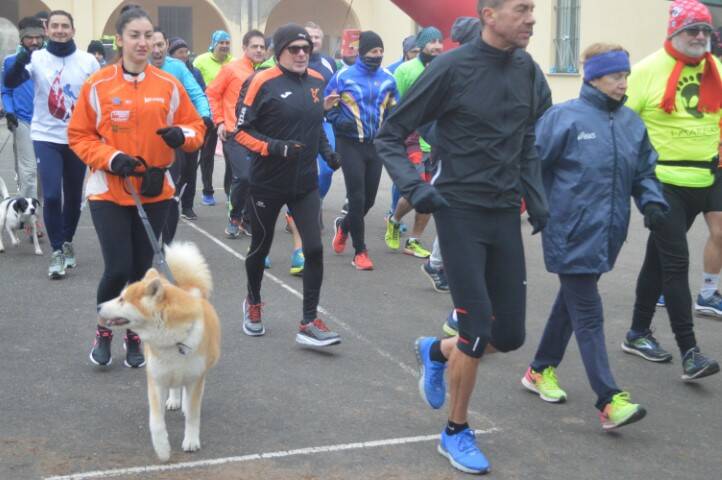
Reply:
x=366, y=100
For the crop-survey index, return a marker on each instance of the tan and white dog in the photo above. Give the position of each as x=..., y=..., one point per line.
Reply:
x=181, y=334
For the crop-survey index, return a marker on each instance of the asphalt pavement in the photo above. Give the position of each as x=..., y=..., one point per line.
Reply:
x=276, y=410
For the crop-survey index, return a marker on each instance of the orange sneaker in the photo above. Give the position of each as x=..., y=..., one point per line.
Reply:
x=362, y=261
x=339, y=237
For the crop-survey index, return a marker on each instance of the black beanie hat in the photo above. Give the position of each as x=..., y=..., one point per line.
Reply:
x=287, y=34
x=368, y=41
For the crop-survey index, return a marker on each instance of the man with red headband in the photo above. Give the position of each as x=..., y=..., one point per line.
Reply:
x=677, y=92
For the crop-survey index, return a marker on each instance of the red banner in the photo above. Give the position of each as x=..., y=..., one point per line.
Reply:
x=439, y=13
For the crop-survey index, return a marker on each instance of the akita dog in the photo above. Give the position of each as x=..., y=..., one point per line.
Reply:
x=181, y=334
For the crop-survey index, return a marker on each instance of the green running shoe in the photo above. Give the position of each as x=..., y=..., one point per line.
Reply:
x=393, y=234
x=413, y=247
x=620, y=411
x=544, y=384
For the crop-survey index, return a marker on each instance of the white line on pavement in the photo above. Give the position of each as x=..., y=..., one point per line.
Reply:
x=118, y=472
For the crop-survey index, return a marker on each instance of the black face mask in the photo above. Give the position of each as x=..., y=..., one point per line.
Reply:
x=373, y=63
x=425, y=57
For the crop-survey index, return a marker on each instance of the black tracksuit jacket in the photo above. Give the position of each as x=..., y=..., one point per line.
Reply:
x=485, y=103
x=277, y=104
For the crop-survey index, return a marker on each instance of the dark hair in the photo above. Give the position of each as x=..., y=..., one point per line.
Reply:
x=96, y=46
x=157, y=29
x=129, y=6
x=42, y=15
x=252, y=34
x=65, y=14
x=30, y=22
x=128, y=16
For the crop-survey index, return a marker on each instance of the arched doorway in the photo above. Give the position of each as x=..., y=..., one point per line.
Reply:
x=192, y=20
x=333, y=16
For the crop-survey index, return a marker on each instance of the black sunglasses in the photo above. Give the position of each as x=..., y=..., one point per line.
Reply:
x=694, y=31
x=295, y=49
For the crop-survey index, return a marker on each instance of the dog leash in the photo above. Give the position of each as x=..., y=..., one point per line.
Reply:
x=158, y=257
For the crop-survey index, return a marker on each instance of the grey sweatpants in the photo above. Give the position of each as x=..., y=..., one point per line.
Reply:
x=26, y=166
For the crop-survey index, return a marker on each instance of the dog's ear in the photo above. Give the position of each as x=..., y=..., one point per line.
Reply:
x=151, y=274
x=36, y=203
x=155, y=289
x=20, y=205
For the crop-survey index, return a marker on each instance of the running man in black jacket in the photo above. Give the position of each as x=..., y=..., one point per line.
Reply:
x=280, y=115
x=484, y=99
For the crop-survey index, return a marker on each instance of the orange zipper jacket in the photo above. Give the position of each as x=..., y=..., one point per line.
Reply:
x=223, y=91
x=120, y=113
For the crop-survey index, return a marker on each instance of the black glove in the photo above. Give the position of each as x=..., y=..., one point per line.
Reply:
x=333, y=160
x=426, y=199
x=653, y=216
x=12, y=121
x=209, y=123
x=289, y=149
x=172, y=136
x=123, y=165
x=538, y=222
x=23, y=56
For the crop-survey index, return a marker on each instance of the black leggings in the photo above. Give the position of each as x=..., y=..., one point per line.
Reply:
x=263, y=213
x=127, y=252
x=239, y=160
x=666, y=263
x=362, y=173
x=184, y=172
x=208, y=156
x=484, y=262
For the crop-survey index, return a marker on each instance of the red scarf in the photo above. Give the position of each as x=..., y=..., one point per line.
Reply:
x=710, y=88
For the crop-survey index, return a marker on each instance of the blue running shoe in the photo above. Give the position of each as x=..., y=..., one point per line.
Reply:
x=696, y=365
x=463, y=453
x=267, y=262
x=451, y=326
x=431, y=374
x=711, y=307
x=208, y=200
x=297, y=262
x=660, y=302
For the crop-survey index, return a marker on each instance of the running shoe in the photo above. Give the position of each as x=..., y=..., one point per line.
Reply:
x=711, y=307
x=431, y=374
x=645, y=346
x=208, y=200
x=462, y=452
x=100, y=353
x=544, y=384
x=620, y=411
x=393, y=234
x=252, y=324
x=134, y=357
x=266, y=261
x=344, y=208
x=317, y=334
x=56, y=270
x=696, y=365
x=69, y=254
x=413, y=247
x=232, y=231
x=660, y=302
x=297, y=262
x=362, y=261
x=245, y=227
x=437, y=277
x=339, y=236
x=188, y=214
x=451, y=325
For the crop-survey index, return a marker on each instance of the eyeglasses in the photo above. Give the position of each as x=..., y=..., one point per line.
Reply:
x=695, y=31
x=295, y=49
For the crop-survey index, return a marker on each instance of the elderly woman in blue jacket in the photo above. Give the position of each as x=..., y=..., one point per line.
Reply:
x=595, y=155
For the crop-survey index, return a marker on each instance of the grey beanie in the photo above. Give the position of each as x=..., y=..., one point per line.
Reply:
x=465, y=29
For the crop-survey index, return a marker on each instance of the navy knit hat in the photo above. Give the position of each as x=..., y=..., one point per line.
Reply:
x=287, y=34
x=175, y=43
x=368, y=41
x=408, y=44
x=427, y=35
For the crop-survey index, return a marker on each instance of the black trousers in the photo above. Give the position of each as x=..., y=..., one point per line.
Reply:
x=184, y=172
x=238, y=157
x=263, y=213
x=208, y=153
x=362, y=173
x=666, y=262
x=127, y=252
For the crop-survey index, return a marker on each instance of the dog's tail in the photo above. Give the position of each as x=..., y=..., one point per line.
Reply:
x=189, y=267
x=3, y=189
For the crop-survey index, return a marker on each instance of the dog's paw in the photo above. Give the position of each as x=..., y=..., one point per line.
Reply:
x=14, y=242
x=38, y=252
x=173, y=404
x=191, y=444
x=162, y=450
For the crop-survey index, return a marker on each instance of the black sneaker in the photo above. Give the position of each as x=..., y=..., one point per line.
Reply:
x=645, y=346
x=188, y=214
x=134, y=357
x=100, y=354
x=437, y=277
x=696, y=365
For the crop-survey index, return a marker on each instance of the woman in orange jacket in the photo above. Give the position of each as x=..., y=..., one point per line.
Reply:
x=126, y=112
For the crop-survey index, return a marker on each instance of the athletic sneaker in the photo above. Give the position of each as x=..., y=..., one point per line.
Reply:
x=431, y=374
x=645, y=346
x=267, y=262
x=696, y=365
x=544, y=384
x=413, y=247
x=437, y=277
x=134, y=357
x=362, y=261
x=252, y=324
x=317, y=334
x=100, y=353
x=711, y=306
x=245, y=227
x=393, y=234
x=620, y=411
x=56, y=270
x=232, y=229
x=69, y=254
x=660, y=302
x=344, y=208
x=208, y=200
x=462, y=452
x=297, y=262
x=339, y=236
x=188, y=214
x=451, y=325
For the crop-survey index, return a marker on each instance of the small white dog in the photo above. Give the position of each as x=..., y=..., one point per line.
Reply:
x=15, y=212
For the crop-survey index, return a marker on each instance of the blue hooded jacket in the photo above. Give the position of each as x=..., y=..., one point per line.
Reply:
x=18, y=100
x=179, y=70
x=366, y=100
x=595, y=154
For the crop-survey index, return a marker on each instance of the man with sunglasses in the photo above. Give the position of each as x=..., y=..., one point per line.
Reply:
x=676, y=91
